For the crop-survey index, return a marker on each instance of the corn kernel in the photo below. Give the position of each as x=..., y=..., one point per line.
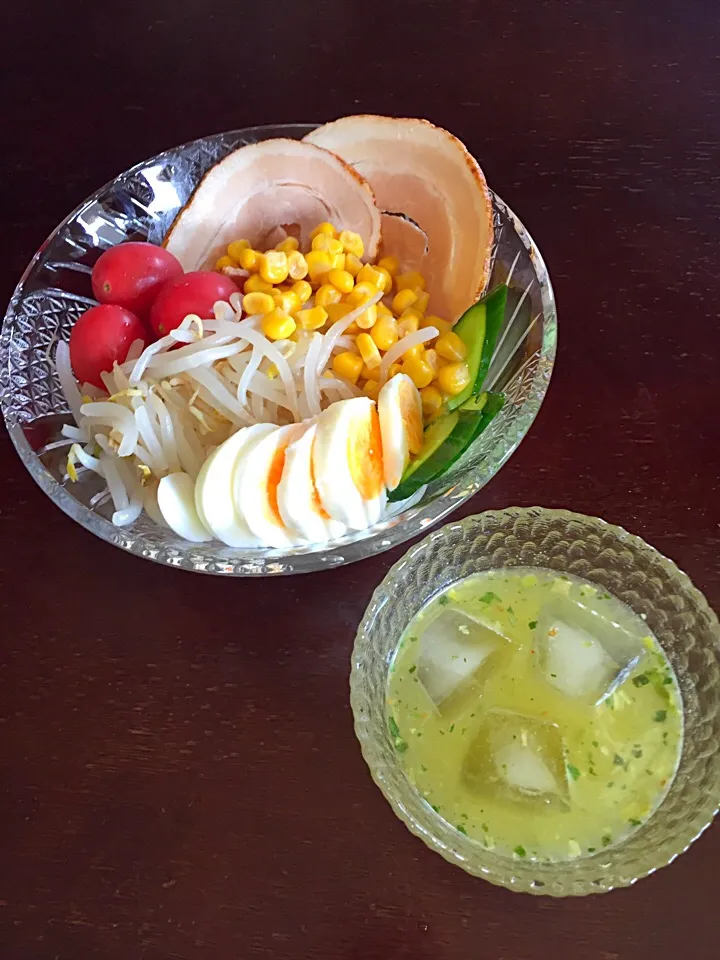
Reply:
x=353, y=329
x=353, y=264
x=326, y=294
x=450, y=346
x=318, y=263
x=327, y=228
x=391, y=264
x=408, y=322
x=288, y=245
x=303, y=290
x=394, y=369
x=369, y=373
x=370, y=275
x=236, y=248
x=320, y=242
x=352, y=243
x=387, y=280
x=361, y=292
x=274, y=266
x=347, y=365
x=444, y=326
x=416, y=353
x=384, y=311
x=371, y=388
x=277, y=325
x=342, y=280
x=297, y=265
x=368, y=350
x=403, y=300
x=423, y=299
x=410, y=281
x=431, y=358
x=453, y=378
x=385, y=331
x=311, y=319
x=336, y=311
x=418, y=370
x=367, y=318
x=249, y=259
x=256, y=284
x=254, y=303
x=225, y=262
x=337, y=261
x=432, y=400
x=287, y=300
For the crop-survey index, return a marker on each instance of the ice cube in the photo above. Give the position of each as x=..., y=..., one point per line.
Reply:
x=456, y=651
x=583, y=654
x=519, y=758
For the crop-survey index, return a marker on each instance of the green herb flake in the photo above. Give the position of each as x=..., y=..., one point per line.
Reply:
x=485, y=827
x=510, y=609
x=451, y=728
x=413, y=668
x=573, y=771
x=606, y=841
x=423, y=768
x=595, y=743
x=592, y=849
x=618, y=760
x=605, y=596
x=444, y=601
x=641, y=680
x=637, y=752
x=634, y=823
x=435, y=807
x=393, y=727
x=520, y=851
x=532, y=624
x=667, y=680
x=660, y=716
x=464, y=816
x=490, y=597
x=461, y=829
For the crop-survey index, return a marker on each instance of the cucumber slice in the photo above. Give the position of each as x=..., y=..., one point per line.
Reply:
x=464, y=427
x=495, y=304
x=435, y=433
x=478, y=328
x=475, y=403
x=471, y=330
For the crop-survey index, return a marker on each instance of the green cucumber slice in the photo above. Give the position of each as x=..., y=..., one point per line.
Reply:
x=478, y=328
x=471, y=330
x=435, y=433
x=475, y=404
x=433, y=463
x=495, y=304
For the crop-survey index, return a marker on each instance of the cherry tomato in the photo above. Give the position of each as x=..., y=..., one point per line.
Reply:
x=101, y=336
x=192, y=293
x=132, y=274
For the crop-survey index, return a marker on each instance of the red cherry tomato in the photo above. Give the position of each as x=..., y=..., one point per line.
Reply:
x=192, y=293
x=132, y=274
x=101, y=336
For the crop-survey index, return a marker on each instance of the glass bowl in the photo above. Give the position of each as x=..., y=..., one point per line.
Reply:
x=141, y=204
x=625, y=566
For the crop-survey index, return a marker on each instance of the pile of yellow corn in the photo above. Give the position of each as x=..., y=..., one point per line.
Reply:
x=312, y=290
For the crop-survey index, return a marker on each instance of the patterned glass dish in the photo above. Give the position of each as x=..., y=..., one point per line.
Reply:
x=141, y=204
x=625, y=566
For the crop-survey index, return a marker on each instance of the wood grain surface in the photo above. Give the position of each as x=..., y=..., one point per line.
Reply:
x=179, y=776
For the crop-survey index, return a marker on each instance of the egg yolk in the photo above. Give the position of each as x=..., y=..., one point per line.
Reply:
x=365, y=455
x=411, y=415
x=277, y=465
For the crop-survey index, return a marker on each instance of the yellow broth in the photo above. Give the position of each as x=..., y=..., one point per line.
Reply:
x=604, y=766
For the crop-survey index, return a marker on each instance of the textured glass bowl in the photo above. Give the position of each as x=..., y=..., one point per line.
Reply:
x=142, y=203
x=625, y=566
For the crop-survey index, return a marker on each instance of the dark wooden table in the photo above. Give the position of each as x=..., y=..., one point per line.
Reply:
x=179, y=773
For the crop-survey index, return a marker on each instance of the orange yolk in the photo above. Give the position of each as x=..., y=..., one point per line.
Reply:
x=273, y=480
x=412, y=418
x=365, y=456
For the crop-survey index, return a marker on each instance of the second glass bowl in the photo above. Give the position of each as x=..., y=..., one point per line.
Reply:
x=625, y=566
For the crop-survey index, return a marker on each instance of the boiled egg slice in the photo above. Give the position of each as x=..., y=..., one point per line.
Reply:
x=257, y=477
x=401, y=426
x=176, y=501
x=297, y=497
x=215, y=485
x=348, y=462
